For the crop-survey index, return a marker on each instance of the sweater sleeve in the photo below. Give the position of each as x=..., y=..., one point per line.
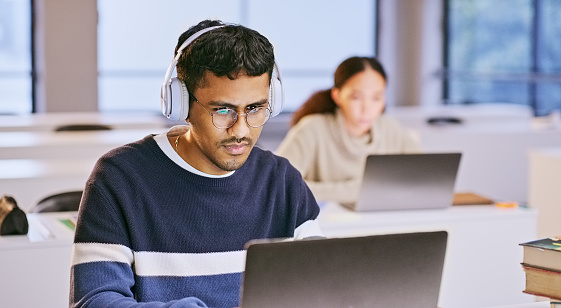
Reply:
x=102, y=261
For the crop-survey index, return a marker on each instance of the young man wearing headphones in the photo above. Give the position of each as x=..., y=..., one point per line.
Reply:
x=165, y=219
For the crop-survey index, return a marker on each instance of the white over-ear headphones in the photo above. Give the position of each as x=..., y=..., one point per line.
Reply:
x=175, y=96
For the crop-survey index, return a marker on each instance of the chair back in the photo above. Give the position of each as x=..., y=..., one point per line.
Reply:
x=61, y=202
x=81, y=127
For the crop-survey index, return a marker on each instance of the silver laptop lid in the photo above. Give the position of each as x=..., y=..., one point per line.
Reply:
x=408, y=181
x=396, y=270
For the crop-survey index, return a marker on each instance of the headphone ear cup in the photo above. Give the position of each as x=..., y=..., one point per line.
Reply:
x=179, y=100
x=277, y=94
x=165, y=93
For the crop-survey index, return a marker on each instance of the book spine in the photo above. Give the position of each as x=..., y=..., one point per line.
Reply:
x=551, y=299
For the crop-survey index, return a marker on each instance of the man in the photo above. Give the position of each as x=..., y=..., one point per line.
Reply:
x=164, y=220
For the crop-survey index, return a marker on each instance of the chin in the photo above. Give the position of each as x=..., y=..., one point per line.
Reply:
x=365, y=129
x=234, y=163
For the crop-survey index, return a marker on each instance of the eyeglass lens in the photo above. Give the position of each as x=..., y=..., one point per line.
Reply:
x=226, y=118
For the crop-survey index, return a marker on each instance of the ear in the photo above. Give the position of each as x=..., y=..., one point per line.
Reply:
x=335, y=94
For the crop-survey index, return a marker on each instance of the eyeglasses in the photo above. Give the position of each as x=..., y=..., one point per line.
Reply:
x=226, y=117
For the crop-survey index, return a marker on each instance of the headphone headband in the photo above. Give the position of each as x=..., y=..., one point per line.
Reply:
x=188, y=41
x=174, y=94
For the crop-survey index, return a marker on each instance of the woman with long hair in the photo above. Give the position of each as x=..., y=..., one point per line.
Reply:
x=334, y=131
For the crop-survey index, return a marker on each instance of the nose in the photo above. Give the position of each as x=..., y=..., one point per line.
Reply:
x=364, y=106
x=368, y=106
x=240, y=129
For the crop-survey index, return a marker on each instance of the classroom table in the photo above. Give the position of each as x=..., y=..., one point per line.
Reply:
x=35, y=268
x=540, y=304
x=73, y=144
x=35, y=164
x=30, y=180
x=49, y=121
x=482, y=266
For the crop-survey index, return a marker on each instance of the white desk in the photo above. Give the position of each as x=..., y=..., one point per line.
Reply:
x=495, y=155
x=417, y=116
x=482, y=266
x=30, y=180
x=75, y=144
x=35, y=268
x=36, y=164
x=541, y=304
x=49, y=121
x=494, y=139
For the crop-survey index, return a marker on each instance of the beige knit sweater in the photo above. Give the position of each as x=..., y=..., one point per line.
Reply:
x=331, y=161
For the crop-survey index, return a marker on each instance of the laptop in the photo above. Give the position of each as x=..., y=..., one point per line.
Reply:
x=380, y=271
x=407, y=182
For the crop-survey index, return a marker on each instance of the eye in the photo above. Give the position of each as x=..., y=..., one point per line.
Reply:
x=254, y=109
x=223, y=111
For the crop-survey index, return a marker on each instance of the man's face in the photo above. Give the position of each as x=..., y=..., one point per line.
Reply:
x=220, y=150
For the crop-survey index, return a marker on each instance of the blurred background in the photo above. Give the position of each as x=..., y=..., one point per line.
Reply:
x=79, y=78
x=111, y=56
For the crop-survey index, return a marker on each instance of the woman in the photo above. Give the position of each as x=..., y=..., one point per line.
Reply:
x=335, y=129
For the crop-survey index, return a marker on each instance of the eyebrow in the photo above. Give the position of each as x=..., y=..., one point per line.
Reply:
x=215, y=104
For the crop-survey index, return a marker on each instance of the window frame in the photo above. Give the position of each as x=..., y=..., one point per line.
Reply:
x=531, y=78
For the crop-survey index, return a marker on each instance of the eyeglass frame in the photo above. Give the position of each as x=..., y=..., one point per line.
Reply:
x=238, y=114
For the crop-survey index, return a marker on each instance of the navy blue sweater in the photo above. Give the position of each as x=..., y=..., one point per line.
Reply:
x=151, y=231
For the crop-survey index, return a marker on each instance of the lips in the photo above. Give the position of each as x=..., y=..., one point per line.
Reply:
x=236, y=148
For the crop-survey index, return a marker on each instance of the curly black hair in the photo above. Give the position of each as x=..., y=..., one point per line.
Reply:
x=226, y=51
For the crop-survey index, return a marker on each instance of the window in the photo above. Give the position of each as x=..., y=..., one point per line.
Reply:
x=15, y=57
x=504, y=51
x=136, y=39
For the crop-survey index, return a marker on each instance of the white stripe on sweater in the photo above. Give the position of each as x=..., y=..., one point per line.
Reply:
x=175, y=264
x=189, y=264
x=95, y=252
x=161, y=263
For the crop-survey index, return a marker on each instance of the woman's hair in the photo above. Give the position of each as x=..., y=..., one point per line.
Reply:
x=321, y=101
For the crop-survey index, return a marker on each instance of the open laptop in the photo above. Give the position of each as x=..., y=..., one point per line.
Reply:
x=381, y=271
x=407, y=182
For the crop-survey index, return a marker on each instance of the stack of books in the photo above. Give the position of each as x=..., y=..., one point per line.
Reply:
x=542, y=265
